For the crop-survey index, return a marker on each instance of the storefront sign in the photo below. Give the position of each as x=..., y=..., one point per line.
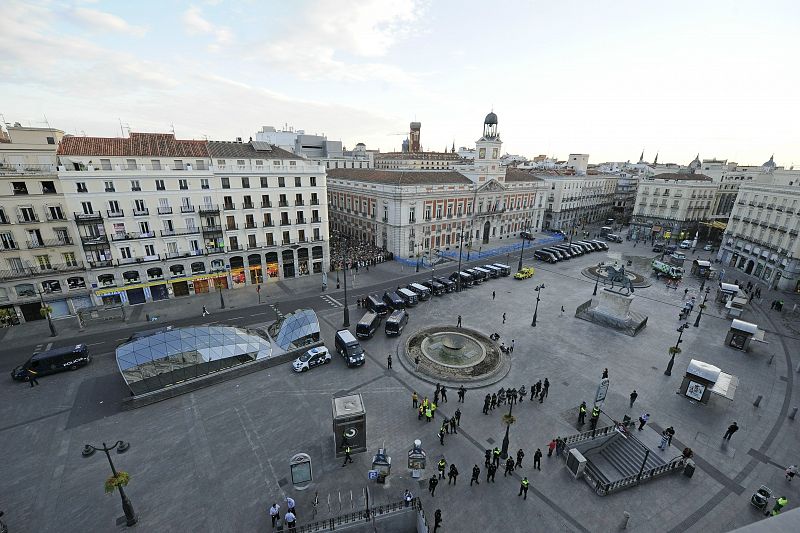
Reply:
x=114, y=290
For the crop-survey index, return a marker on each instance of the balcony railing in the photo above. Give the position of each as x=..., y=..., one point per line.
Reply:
x=299, y=203
x=235, y=248
x=101, y=263
x=187, y=209
x=211, y=229
x=132, y=235
x=314, y=202
x=141, y=212
x=283, y=204
x=180, y=231
x=27, y=272
x=302, y=220
x=285, y=223
x=229, y=207
x=9, y=246
x=94, y=240
x=29, y=217
x=268, y=224
x=315, y=220
x=266, y=204
x=49, y=243
x=164, y=210
x=208, y=208
x=214, y=250
x=248, y=205
x=115, y=214
x=231, y=227
x=250, y=225
x=133, y=260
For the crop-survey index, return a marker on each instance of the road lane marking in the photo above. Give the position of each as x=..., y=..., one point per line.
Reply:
x=95, y=343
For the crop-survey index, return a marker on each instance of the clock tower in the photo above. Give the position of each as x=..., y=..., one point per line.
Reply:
x=487, y=157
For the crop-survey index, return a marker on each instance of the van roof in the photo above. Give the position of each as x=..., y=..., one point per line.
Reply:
x=346, y=336
x=396, y=316
x=368, y=317
x=420, y=287
x=501, y=265
x=392, y=294
x=375, y=298
x=407, y=292
x=64, y=350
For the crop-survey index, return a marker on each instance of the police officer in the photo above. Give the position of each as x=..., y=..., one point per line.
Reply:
x=441, y=435
x=595, y=416
x=347, y=458
x=475, y=473
x=582, y=414
x=486, y=401
x=520, y=455
x=523, y=487
x=453, y=424
x=491, y=470
x=509, y=467
x=432, y=482
x=537, y=459
x=487, y=458
x=496, y=456
x=441, y=465
x=452, y=474
x=457, y=416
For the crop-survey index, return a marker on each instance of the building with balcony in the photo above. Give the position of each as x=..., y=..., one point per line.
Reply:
x=672, y=206
x=159, y=217
x=41, y=257
x=575, y=200
x=761, y=238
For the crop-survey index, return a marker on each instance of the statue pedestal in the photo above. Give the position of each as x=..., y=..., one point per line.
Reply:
x=612, y=310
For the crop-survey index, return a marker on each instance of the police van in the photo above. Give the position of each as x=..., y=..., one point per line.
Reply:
x=409, y=297
x=376, y=305
x=423, y=292
x=505, y=270
x=368, y=325
x=52, y=361
x=348, y=347
x=395, y=323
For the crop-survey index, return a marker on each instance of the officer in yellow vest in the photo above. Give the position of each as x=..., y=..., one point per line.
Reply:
x=441, y=466
x=780, y=503
x=582, y=414
x=347, y=458
x=523, y=487
x=595, y=416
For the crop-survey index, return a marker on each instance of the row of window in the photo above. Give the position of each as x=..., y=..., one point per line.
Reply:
x=21, y=188
x=264, y=182
x=27, y=213
x=161, y=185
x=36, y=240
x=44, y=262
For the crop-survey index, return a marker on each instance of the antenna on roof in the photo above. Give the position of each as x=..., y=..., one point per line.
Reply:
x=172, y=127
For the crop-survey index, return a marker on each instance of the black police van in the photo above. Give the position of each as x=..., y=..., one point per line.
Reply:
x=52, y=361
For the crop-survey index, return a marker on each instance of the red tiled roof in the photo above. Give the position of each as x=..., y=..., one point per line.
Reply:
x=518, y=174
x=138, y=144
x=395, y=177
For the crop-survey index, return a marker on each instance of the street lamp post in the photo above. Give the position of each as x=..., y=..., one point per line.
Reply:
x=46, y=310
x=346, y=312
x=121, y=447
x=675, y=349
x=460, y=249
x=221, y=299
x=521, y=250
x=597, y=280
x=702, y=306
x=538, y=290
x=509, y=420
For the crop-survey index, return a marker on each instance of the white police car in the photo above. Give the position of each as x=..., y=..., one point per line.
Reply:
x=313, y=357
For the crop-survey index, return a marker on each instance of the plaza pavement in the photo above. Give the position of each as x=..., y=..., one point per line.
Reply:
x=215, y=459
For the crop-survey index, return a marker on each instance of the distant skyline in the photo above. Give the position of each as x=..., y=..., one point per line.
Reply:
x=605, y=78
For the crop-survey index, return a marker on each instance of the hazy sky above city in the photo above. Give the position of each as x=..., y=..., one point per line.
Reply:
x=608, y=78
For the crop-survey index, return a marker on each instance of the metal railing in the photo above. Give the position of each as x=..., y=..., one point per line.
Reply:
x=49, y=243
x=330, y=524
x=603, y=488
x=27, y=272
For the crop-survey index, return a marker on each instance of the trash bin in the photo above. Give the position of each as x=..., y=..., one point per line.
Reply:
x=688, y=470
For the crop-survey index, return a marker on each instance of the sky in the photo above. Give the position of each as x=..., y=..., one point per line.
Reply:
x=610, y=78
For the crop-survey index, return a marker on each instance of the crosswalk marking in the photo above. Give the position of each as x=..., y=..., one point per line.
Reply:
x=277, y=311
x=331, y=301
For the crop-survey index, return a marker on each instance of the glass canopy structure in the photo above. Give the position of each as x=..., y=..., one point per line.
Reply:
x=173, y=356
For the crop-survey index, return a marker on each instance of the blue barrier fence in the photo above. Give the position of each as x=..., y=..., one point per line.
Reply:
x=471, y=255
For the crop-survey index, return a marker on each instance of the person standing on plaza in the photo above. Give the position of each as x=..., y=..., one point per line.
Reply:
x=520, y=456
x=493, y=402
x=444, y=394
x=504, y=318
x=790, y=472
x=206, y=313
x=537, y=459
x=562, y=310
x=290, y=505
x=457, y=417
x=491, y=470
x=643, y=420
x=496, y=456
x=550, y=447
x=458, y=324
x=487, y=458
x=453, y=425
x=275, y=513
x=389, y=361
x=452, y=474
x=347, y=458
x=523, y=487
x=545, y=388
x=441, y=466
x=522, y=393
x=733, y=428
x=437, y=520
x=476, y=472
x=432, y=482
x=509, y=467
x=493, y=295
x=461, y=392
x=436, y=395
x=634, y=395
x=664, y=440
x=560, y=444
x=595, y=417
x=414, y=399
x=420, y=412
x=428, y=414
x=441, y=436
x=582, y=414
x=670, y=431
x=290, y=519
x=605, y=373
x=486, y=401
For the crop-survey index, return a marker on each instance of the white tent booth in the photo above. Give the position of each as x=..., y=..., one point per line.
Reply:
x=702, y=379
x=742, y=333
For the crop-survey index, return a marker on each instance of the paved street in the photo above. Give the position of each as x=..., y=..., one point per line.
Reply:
x=215, y=459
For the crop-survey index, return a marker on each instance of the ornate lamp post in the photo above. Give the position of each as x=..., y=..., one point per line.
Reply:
x=702, y=306
x=346, y=311
x=597, y=280
x=538, y=290
x=522, y=249
x=675, y=349
x=121, y=447
x=46, y=312
x=508, y=419
x=221, y=299
x=460, y=249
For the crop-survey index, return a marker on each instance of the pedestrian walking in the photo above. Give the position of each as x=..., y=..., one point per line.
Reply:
x=407, y=497
x=441, y=436
x=461, y=393
x=441, y=466
x=496, y=456
x=274, y=513
x=493, y=402
x=437, y=520
x=582, y=414
x=493, y=295
x=458, y=325
x=780, y=503
x=733, y=428
x=290, y=505
x=605, y=373
x=634, y=395
x=504, y=318
x=509, y=467
x=491, y=470
x=685, y=292
x=790, y=472
x=436, y=396
x=444, y=394
x=389, y=361
x=523, y=488
x=562, y=310
x=670, y=433
x=537, y=459
x=550, y=447
x=486, y=401
x=476, y=472
x=206, y=313
x=453, y=425
x=452, y=474
x=487, y=458
x=595, y=417
x=664, y=440
x=347, y=458
x=414, y=399
x=290, y=519
x=533, y=391
x=32, y=377
x=520, y=456
x=545, y=388
x=560, y=444
x=512, y=345
x=522, y=393
x=432, y=482
x=643, y=420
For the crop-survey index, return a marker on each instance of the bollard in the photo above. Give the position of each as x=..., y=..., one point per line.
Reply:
x=771, y=357
x=758, y=401
x=626, y=516
x=793, y=413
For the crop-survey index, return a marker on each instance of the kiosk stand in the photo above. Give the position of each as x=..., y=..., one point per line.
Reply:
x=349, y=424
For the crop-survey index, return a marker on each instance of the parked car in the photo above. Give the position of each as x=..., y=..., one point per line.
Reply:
x=708, y=247
x=525, y=273
x=313, y=357
x=686, y=245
